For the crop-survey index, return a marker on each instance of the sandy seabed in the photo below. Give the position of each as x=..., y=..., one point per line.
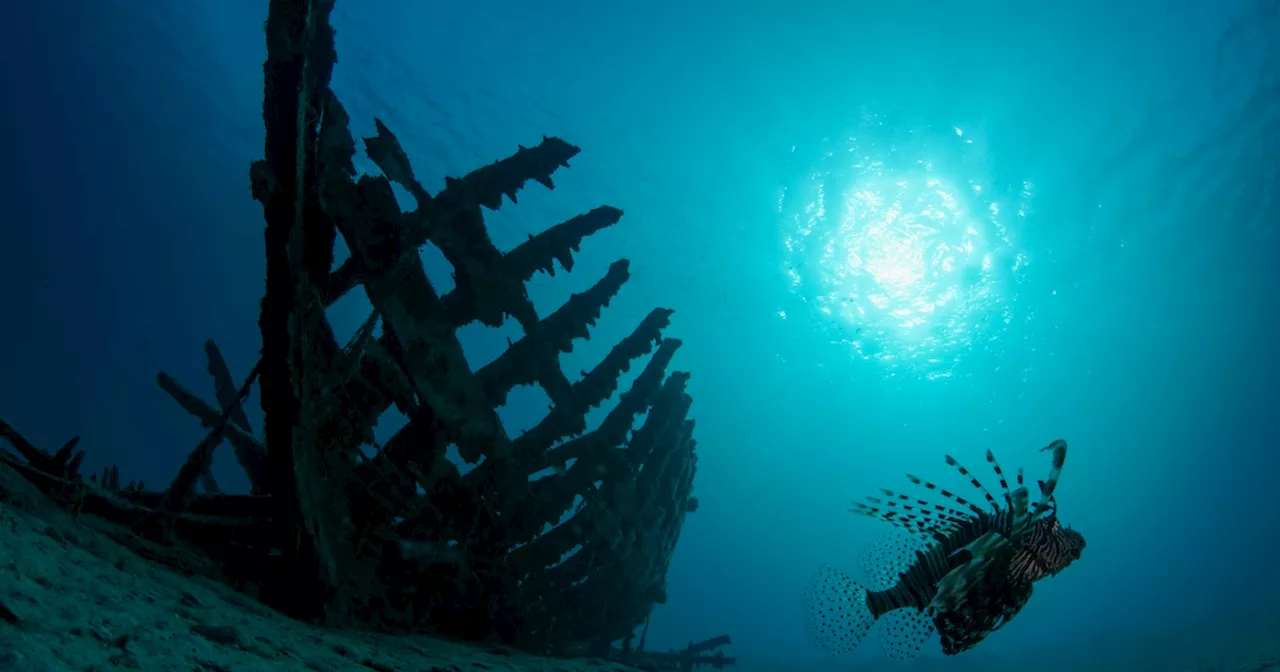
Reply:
x=71, y=598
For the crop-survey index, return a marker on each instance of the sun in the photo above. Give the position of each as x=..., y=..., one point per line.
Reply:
x=908, y=261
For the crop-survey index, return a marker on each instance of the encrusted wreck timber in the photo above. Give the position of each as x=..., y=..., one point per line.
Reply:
x=306, y=461
x=535, y=358
x=249, y=453
x=247, y=448
x=595, y=457
x=224, y=386
x=218, y=522
x=251, y=459
x=695, y=655
x=182, y=491
x=423, y=345
x=605, y=588
x=557, y=540
x=385, y=151
x=64, y=463
x=568, y=416
x=486, y=287
x=558, y=243
x=591, y=390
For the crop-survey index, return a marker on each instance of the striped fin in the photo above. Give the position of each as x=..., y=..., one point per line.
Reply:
x=916, y=516
x=912, y=523
x=1052, y=502
x=1004, y=482
x=1019, y=522
x=916, y=480
x=973, y=480
x=1048, y=485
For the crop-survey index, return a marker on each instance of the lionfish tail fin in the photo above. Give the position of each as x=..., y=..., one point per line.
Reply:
x=902, y=632
x=836, y=612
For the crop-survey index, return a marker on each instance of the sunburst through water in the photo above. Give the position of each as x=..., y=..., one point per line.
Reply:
x=896, y=242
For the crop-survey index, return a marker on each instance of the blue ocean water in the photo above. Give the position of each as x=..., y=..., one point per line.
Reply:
x=889, y=231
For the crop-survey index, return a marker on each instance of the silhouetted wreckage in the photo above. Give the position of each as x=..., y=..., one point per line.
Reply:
x=697, y=654
x=340, y=530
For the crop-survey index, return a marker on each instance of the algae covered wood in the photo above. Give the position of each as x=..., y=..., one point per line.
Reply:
x=556, y=540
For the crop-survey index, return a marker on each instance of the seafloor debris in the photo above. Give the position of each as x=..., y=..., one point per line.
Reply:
x=697, y=654
x=343, y=531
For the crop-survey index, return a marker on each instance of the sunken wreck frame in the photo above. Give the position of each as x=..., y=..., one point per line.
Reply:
x=335, y=526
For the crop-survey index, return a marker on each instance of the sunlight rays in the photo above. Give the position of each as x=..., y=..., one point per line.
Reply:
x=909, y=262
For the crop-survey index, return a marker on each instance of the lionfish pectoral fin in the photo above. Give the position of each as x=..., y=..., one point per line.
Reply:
x=1011, y=607
x=903, y=632
x=886, y=560
x=987, y=547
x=991, y=549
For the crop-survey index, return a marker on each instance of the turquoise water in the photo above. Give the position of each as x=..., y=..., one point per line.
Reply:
x=888, y=233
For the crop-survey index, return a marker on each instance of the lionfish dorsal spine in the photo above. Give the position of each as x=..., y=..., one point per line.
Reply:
x=912, y=522
x=916, y=480
x=1004, y=482
x=1018, y=512
x=973, y=480
x=915, y=515
x=1048, y=485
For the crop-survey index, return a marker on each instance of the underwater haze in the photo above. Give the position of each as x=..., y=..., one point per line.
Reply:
x=889, y=231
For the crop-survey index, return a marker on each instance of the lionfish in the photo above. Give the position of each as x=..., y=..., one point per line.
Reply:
x=970, y=573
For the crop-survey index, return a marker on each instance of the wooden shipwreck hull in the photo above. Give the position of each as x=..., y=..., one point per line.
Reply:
x=340, y=530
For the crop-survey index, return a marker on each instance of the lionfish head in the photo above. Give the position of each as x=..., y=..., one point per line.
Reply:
x=1055, y=546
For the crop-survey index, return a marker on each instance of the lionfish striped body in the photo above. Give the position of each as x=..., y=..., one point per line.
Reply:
x=974, y=573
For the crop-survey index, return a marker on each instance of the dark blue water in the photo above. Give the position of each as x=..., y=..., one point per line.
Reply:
x=888, y=233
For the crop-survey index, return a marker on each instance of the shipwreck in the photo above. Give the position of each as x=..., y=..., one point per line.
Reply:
x=340, y=530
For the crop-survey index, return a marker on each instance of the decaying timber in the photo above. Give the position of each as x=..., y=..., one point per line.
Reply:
x=403, y=539
x=706, y=653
